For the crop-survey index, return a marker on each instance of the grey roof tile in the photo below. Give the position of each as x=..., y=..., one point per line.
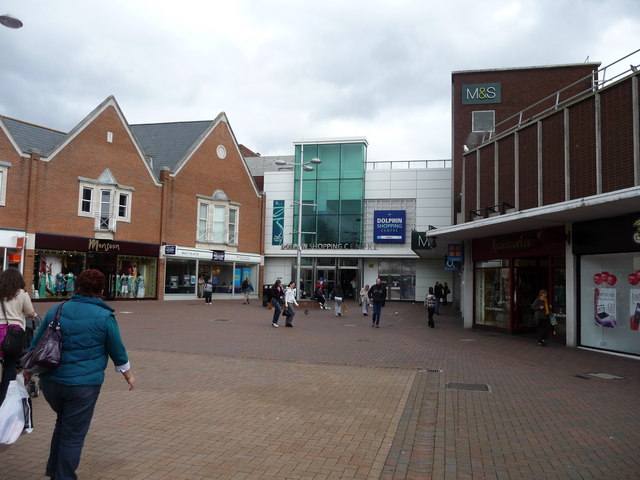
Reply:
x=32, y=137
x=168, y=143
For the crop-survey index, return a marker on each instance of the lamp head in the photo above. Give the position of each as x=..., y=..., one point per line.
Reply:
x=10, y=22
x=308, y=168
x=280, y=163
x=316, y=160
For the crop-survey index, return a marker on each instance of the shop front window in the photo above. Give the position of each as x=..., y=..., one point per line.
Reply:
x=136, y=277
x=609, y=316
x=180, y=277
x=55, y=273
x=493, y=300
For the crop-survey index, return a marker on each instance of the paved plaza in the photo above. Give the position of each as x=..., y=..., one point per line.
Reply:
x=221, y=394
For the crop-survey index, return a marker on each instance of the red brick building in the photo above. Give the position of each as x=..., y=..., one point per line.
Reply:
x=107, y=195
x=546, y=196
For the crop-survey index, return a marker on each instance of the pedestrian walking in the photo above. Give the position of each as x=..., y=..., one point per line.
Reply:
x=445, y=293
x=430, y=303
x=16, y=304
x=90, y=336
x=438, y=292
x=247, y=288
x=318, y=294
x=364, y=300
x=290, y=304
x=378, y=296
x=277, y=299
x=338, y=295
x=207, y=291
x=542, y=313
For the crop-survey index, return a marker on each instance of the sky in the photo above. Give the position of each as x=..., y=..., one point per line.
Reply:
x=288, y=70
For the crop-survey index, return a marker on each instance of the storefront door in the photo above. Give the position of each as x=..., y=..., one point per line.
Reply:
x=529, y=280
x=106, y=263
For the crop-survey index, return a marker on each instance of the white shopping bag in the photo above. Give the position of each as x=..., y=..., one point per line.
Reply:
x=15, y=412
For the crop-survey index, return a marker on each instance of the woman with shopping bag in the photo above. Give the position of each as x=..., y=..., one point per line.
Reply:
x=90, y=336
x=16, y=304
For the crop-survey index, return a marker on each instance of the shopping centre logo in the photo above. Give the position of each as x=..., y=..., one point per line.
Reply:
x=636, y=233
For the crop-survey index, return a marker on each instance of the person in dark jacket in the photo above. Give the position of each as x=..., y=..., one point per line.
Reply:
x=542, y=313
x=90, y=336
x=439, y=293
x=378, y=295
x=277, y=299
x=338, y=296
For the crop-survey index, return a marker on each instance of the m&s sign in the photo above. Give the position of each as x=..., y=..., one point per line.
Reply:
x=480, y=93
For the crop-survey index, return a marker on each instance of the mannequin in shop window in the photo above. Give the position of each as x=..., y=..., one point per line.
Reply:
x=61, y=284
x=124, y=285
x=140, y=286
x=70, y=282
x=42, y=278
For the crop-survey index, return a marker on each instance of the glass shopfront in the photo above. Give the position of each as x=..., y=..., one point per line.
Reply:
x=510, y=270
x=129, y=267
x=609, y=283
x=187, y=269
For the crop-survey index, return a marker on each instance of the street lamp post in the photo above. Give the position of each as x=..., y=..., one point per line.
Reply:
x=308, y=168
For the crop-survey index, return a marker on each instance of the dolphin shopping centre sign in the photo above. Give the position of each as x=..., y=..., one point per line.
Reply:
x=389, y=226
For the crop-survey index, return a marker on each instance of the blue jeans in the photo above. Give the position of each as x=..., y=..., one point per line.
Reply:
x=74, y=406
x=438, y=299
x=377, y=311
x=277, y=311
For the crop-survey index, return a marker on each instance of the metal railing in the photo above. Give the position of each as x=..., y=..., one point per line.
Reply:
x=597, y=80
x=408, y=164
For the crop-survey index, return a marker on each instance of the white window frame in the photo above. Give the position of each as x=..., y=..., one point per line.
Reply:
x=232, y=237
x=81, y=210
x=473, y=120
x=4, y=171
x=217, y=230
x=115, y=193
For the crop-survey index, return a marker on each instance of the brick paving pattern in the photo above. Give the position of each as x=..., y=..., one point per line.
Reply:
x=223, y=395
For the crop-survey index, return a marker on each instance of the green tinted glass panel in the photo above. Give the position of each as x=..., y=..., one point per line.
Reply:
x=330, y=156
x=328, y=193
x=352, y=161
x=350, y=228
x=352, y=189
x=328, y=228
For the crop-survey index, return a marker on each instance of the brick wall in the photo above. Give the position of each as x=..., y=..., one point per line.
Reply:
x=89, y=155
x=13, y=215
x=616, y=107
x=487, y=177
x=205, y=173
x=617, y=167
x=553, y=178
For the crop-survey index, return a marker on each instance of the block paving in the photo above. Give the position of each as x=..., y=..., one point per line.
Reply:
x=221, y=394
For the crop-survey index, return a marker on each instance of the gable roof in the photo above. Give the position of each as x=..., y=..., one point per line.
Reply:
x=29, y=137
x=169, y=143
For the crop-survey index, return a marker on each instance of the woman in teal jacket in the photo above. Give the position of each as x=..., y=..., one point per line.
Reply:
x=90, y=336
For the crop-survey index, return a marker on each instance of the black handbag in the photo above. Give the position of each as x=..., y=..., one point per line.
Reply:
x=15, y=340
x=46, y=354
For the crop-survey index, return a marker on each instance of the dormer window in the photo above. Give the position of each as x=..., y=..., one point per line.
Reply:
x=104, y=200
x=217, y=219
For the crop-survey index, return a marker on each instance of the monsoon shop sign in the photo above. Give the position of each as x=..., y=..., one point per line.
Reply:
x=389, y=226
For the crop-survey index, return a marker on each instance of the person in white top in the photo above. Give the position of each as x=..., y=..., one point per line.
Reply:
x=16, y=304
x=290, y=301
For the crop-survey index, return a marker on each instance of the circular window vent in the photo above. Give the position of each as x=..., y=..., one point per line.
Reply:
x=221, y=151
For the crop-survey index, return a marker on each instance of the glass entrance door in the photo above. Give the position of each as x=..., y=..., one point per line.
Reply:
x=530, y=276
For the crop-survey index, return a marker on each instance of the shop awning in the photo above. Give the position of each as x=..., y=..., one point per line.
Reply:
x=620, y=202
